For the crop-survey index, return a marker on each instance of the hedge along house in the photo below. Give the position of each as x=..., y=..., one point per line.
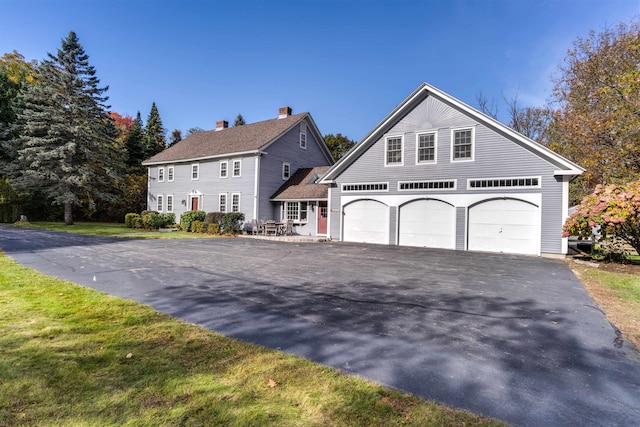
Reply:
x=438, y=173
x=235, y=169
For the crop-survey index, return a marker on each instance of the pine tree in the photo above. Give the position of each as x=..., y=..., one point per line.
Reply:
x=135, y=144
x=66, y=147
x=239, y=120
x=155, y=140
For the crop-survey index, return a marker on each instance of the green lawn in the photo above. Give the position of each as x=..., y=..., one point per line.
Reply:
x=626, y=286
x=114, y=230
x=72, y=356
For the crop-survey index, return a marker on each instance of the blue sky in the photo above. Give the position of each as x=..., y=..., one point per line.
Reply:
x=349, y=63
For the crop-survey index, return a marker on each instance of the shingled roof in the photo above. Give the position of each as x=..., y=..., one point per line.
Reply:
x=238, y=139
x=302, y=185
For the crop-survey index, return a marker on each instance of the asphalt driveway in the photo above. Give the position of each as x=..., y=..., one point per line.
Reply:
x=512, y=337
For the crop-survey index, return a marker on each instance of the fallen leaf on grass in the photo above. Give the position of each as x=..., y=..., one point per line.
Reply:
x=129, y=355
x=272, y=383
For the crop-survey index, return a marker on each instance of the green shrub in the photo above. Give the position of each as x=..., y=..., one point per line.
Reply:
x=168, y=220
x=214, y=217
x=143, y=213
x=198, y=226
x=136, y=222
x=152, y=220
x=231, y=222
x=213, y=229
x=188, y=217
x=129, y=218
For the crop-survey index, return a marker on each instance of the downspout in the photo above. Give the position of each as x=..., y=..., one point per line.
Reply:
x=256, y=187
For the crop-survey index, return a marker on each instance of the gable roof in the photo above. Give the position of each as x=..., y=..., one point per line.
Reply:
x=302, y=185
x=249, y=138
x=565, y=166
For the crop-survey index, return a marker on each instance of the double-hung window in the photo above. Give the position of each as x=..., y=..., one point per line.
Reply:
x=160, y=174
x=393, y=151
x=159, y=205
x=223, y=202
x=295, y=211
x=170, y=174
x=303, y=135
x=224, y=166
x=170, y=203
x=235, y=202
x=462, y=144
x=236, y=168
x=286, y=171
x=195, y=171
x=426, y=148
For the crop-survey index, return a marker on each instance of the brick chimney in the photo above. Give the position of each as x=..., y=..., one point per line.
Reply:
x=284, y=112
x=222, y=124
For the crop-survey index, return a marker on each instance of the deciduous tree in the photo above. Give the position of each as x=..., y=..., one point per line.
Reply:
x=598, y=121
x=176, y=136
x=338, y=144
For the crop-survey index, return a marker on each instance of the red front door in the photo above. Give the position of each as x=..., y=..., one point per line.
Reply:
x=322, y=217
x=194, y=203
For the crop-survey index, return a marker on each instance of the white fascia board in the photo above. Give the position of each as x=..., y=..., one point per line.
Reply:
x=196, y=159
x=572, y=172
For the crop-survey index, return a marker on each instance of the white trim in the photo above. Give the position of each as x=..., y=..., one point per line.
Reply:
x=201, y=158
x=226, y=203
x=170, y=205
x=386, y=150
x=256, y=188
x=226, y=170
x=161, y=174
x=455, y=185
x=473, y=143
x=564, y=248
x=386, y=190
x=197, y=165
x=502, y=188
x=171, y=173
x=435, y=148
x=239, y=201
x=288, y=166
x=233, y=168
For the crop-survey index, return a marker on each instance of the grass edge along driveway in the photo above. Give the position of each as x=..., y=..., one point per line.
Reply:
x=73, y=356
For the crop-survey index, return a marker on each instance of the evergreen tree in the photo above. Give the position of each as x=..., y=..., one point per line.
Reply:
x=66, y=146
x=155, y=140
x=135, y=144
x=239, y=120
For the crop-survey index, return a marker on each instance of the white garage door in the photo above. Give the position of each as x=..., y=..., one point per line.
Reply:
x=510, y=226
x=428, y=223
x=366, y=221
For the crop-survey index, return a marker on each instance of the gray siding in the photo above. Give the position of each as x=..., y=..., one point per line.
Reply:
x=461, y=222
x=209, y=184
x=495, y=156
x=285, y=150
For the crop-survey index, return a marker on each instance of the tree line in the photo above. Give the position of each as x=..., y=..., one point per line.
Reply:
x=64, y=153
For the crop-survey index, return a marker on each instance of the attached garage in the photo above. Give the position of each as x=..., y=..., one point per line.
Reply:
x=427, y=223
x=366, y=221
x=504, y=225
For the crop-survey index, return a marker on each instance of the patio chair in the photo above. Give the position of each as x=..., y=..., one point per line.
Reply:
x=288, y=228
x=270, y=227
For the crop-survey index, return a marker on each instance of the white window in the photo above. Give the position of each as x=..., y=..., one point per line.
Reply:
x=426, y=185
x=170, y=203
x=295, y=211
x=235, y=202
x=160, y=174
x=518, y=182
x=286, y=170
x=170, y=174
x=195, y=171
x=303, y=135
x=426, y=148
x=462, y=144
x=393, y=151
x=370, y=186
x=159, y=206
x=224, y=167
x=236, y=167
x=223, y=202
